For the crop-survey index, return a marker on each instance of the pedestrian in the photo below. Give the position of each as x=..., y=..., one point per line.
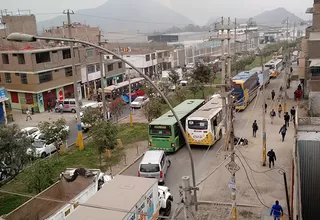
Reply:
x=279, y=110
x=28, y=115
x=272, y=115
x=273, y=94
x=272, y=157
x=61, y=107
x=276, y=211
x=286, y=119
x=293, y=113
x=265, y=107
x=254, y=128
x=283, y=131
x=291, y=69
x=49, y=106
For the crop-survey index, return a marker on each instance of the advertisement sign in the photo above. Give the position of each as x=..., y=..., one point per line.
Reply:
x=142, y=211
x=150, y=205
x=60, y=94
x=3, y=94
x=40, y=102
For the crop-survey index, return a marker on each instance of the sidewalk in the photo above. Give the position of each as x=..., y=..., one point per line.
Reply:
x=267, y=182
x=137, y=117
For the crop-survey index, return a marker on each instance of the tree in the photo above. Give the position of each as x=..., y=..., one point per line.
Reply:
x=152, y=109
x=104, y=136
x=116, y=108
x=194, y=86
x=41, y=176
x=92, y=116
x=55, y=132
x=174, y=77
x=180, y=93
x=14, y=146
x=149, y=90
x=164, y=87
x=202, y=74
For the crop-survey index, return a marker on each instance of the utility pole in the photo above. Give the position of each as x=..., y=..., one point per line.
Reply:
x=223, y=78
x=286, y=68
x=87, y=78
x=235, y=36
x=187, y=199
x=264, y=133
x=104, y=107
x=228, y=78
x=246, y=38
x=75, y=84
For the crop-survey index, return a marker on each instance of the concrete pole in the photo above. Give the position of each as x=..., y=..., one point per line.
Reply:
x=87, y=79
x=286, y=69
x=79, y=140
x=187, y=198
x=223, y=79
x=130, y=99
x=104, y=106
x=235, y=36
x=228, y=78
x=246, y=39
x=264, y=133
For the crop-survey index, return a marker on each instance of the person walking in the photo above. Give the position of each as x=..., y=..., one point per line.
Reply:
x=273, y=94
x=49, y=106
x=28, y=115
x=272, y=157
x=265, y=107
x=286, y=119
x=293, y=113
x=61, y=107
x=254, y=128
x=283, y=131
x=276, y=211
x=272, y=115
x=279, y=110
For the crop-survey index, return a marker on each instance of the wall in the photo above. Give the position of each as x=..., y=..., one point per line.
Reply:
x=139, y=61
x=20, y=23
x=314, y=104
x=313, y=51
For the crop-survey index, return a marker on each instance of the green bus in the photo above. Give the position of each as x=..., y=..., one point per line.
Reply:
x=164, y=132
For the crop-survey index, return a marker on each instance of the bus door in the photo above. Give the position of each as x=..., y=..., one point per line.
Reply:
x=214, y=125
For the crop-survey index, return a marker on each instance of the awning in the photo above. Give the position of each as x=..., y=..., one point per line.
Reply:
x=314, y=62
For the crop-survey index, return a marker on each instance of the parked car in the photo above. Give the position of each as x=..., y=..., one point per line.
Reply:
x=69, y=105
x=139, y=102
x=31, y=132
x=41, y=148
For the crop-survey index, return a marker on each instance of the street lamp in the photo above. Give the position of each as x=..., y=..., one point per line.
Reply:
x=20, y=37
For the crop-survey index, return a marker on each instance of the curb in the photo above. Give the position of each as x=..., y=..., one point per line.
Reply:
x=128, y=166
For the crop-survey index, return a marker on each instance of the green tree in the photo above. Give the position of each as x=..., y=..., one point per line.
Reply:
x=92, y=116
x=174, y=77
x=104, y=136
x=194, y=86
x=116, y=108
x=165, y=87
x=41, y=176
x=55, y=132
x=180, y=93
x=149, y=90
x=152, y=109
x=14, y=146
x=202, y=74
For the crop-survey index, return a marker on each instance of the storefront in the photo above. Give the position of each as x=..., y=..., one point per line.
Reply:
x=4, y=112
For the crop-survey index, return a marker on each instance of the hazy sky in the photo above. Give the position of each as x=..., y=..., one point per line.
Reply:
x=197, y=10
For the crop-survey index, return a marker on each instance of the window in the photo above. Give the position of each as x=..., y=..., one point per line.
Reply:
x=68, y=71
x=42, y=57
x=166, y=54
x=97, y=67
x=5, y=58
x=89, y=52
x=110, y=67
x=119, y=65
x=21, y=59
x=198, y=125
x=149, y=168
x=147, y=57
x=17, y=74
x=23, y=78
x=153, y=56
x=8, y=77
x=90, y=69
x=160, y=130
x=66, y=54
x=72, y=102
x=45, y=77
x=159, y=55
x=237, y=87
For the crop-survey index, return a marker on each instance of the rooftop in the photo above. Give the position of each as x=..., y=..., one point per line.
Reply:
x=151, y=156
x=123, y=192
x=35, y=50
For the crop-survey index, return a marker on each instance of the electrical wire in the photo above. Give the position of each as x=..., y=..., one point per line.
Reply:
x=80, y=204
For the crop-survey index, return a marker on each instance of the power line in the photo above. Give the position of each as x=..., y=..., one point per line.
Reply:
x=80, y=204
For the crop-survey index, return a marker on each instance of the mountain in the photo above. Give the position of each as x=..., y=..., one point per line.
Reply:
x=125, y=16
x=276, y=17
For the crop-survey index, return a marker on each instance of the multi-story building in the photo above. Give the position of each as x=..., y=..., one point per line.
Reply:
x=34, y=77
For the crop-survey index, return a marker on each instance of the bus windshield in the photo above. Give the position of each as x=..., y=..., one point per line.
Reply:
x=198, y=124
x=237, y=86
x=164, y=130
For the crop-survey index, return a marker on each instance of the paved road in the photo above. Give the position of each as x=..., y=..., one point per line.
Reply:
x=73, y=126
x=180, y=166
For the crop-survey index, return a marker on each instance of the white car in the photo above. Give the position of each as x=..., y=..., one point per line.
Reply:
x=41, y=148
x=31, y=132
x=165, y=199
x=139, y=102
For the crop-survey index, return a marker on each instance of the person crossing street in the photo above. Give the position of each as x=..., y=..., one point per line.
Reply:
x=276, y=211
x=255, y=128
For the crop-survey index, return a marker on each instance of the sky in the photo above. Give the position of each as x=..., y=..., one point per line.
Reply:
x=197, y=10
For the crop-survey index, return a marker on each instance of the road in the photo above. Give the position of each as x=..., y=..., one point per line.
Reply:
x=73, y=125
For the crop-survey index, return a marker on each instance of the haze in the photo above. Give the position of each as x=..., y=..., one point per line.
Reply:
x=198, y=11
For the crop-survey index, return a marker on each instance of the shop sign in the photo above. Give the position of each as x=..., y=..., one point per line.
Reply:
x=3, y=94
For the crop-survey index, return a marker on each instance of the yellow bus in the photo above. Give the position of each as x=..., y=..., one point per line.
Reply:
x=204, y=126
x=275, y=66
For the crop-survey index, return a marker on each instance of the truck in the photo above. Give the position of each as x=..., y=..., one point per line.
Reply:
x=71, y=187
x=263, y=77
x=127, y=198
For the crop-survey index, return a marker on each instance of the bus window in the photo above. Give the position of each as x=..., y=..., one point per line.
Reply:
x=237, y=86
x=215, y=123
x=160, y=130
x=198, y=125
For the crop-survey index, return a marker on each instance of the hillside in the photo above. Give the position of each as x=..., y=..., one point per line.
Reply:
x=276, y=16
x=118, y=16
